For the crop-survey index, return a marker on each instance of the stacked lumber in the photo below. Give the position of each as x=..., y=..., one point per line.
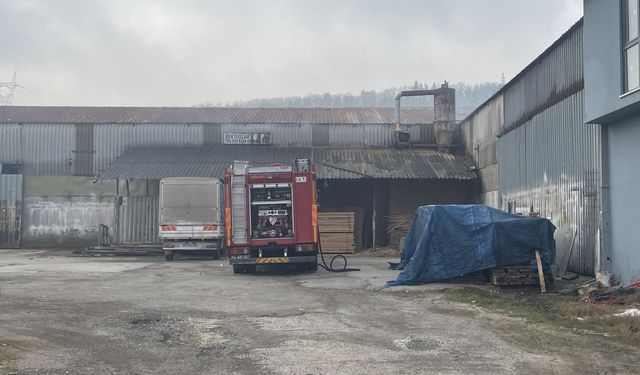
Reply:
x=517, y=274
x=397, y=227
x=337, y=232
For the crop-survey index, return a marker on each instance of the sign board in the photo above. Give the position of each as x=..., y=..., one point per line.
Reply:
x=247, y=138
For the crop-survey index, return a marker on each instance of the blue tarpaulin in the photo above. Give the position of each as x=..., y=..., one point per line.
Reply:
x=447, y=241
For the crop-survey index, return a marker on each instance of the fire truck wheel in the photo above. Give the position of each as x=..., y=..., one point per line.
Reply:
x=168, y=255
x=312, y=267
x=215, y=254
x=238, y=268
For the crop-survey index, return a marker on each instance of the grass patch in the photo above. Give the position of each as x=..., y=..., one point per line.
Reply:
x=553, y=309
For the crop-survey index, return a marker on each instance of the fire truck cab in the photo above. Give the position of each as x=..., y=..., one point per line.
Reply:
x=271, y=215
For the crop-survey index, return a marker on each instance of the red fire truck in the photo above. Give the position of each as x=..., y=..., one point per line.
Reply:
x=271, y=215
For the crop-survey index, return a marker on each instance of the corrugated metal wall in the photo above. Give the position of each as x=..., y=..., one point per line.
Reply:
x=557, y=75
x=138, y=220
x=45, y=149
x=548, y=161
x=10, y=145
x=480, y=132
x=84, y=150
x=112, y=139
x=65, y=149
x=10, y=210
x=551, y=165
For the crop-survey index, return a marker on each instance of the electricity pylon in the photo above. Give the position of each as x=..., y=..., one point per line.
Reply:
x=7, y=91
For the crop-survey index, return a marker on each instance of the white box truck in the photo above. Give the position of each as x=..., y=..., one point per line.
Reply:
x=191, y=217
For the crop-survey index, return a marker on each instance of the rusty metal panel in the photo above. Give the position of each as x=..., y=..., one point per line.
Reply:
x=10, y=210
x=209, y=115
x=138, y=220
x=551, y=164
x=111, y=140
x=555, y=75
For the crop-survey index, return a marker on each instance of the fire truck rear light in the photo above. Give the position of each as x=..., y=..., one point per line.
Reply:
x=168, y=227
x=305, y=248
x=210, y=227
x=238, y=251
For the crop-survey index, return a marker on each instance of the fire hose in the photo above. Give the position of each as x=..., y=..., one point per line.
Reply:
x=339, y=256
x=329, y=267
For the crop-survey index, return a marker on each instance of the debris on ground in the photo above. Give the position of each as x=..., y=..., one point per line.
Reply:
x=614, y=294
x=586, y=288
x=630, y=312
x=606, y=279
x=572, y=312
x=133, y=250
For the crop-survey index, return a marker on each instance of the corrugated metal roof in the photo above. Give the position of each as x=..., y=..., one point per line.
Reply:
x=566, y=35
x=210, y=115
x=331, y=163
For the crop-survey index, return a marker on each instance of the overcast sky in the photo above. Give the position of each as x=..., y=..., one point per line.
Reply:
x=181, y=53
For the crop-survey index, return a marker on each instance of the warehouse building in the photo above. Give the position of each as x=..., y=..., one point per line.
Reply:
x=536, y=156
x=69, y=173
x=561, y=140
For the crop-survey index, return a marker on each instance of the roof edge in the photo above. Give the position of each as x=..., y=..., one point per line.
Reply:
x=535, y=61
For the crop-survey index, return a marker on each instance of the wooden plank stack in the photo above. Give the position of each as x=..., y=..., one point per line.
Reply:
x=337, y=232
x=517, y=274
x=397, y=227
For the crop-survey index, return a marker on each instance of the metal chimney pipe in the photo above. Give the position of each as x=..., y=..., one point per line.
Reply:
x=409, y=93
x=444, y=113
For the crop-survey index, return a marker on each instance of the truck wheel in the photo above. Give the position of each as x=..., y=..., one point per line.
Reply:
x=238, y=268
x=312, y=267
x=215, y=254
x=220, y=246
x=168, y=255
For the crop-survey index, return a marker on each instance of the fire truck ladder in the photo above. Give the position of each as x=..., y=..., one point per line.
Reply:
x=238, y=209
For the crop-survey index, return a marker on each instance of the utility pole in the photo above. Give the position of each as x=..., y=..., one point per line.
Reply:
x=7, y=90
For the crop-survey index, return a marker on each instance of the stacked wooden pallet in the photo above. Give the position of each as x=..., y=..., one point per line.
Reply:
x=397, y=227
x=337, y=232
x=517, y=274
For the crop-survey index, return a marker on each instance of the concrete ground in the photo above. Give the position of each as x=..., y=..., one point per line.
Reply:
x=61, y=314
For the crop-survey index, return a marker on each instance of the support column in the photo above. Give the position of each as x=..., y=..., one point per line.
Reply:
x=375, y=212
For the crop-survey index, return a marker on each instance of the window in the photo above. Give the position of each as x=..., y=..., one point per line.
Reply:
x=630, y=46
x=10, y=168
